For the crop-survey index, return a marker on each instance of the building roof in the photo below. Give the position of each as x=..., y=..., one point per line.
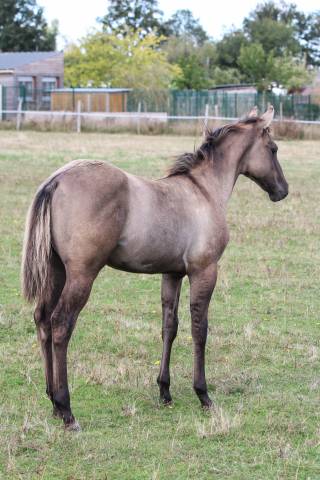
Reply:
x=12, y=60
x=92, y=90
x=235, y=86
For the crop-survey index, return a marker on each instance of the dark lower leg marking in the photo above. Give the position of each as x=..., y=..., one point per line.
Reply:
x=202, y=284
x=63, y=320
x=170, y=291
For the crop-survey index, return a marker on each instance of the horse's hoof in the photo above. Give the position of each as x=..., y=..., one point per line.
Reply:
x=207, y=407
x=166, y=402
x=207, y=404
x=73, y=427
x=165, y=399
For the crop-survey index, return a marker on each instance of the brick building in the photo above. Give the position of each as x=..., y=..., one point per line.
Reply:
x=30, y=75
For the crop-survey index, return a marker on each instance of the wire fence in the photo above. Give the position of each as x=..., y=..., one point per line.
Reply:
x=143, y=123
x=180, y=103
x=168, y=112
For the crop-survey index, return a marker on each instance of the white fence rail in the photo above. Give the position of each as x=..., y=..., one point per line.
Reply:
x=146, y=115
x=21, y=116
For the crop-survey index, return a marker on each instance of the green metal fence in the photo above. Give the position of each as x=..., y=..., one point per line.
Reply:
x=36, y=99
x=185, y=103
x=222, y=104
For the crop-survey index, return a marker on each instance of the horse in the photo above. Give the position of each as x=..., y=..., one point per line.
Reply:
x=90, y=214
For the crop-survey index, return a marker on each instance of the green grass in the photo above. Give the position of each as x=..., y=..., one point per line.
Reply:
x=263, y=346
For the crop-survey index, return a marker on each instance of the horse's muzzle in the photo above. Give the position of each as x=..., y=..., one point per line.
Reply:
x=280, y=194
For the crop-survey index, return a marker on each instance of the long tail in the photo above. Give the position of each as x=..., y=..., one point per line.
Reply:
x=37, y=249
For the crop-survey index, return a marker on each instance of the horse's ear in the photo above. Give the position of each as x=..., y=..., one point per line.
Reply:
x=267, y=117
x=253, y=112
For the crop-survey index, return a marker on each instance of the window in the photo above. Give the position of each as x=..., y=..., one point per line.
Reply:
x=26, y=88
x=48, y=84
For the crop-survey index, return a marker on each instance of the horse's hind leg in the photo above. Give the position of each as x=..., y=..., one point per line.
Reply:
x=73, y=298
x=42, y=317
x=170, y=292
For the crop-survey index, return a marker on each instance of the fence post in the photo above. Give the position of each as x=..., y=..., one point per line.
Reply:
x=263, y=101
x=79, y=116
x=206, y=115
x=1, y=103
x=281, y=111
x=138, y=120
x=310, y=117
x=18, y=126
x=216, y=110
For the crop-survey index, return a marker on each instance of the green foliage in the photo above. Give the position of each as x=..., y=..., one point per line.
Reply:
x=141, y=16
x=275, y=44
x=24, y=28
x=256, y=65
x=183, y=24
x=193, y=74
x=291, y=73
x=281, y=27
x=273, y=36
x=104, y=59
x=225, y=76
x=228, y=48
x=264, y=68
x=144, y=16
x=196, y=63
x=308, y=31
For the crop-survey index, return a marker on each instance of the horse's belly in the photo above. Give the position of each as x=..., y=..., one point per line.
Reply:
x=148, y=260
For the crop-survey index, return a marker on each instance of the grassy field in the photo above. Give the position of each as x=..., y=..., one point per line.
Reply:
x=263, y=346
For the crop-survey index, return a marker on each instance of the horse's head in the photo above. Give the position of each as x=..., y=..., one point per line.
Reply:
x=260, y=162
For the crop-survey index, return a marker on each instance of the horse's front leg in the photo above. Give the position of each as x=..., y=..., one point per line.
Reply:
x=170, y=292
x=202, y=283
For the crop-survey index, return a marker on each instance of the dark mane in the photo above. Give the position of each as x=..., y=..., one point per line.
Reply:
x=185, y=162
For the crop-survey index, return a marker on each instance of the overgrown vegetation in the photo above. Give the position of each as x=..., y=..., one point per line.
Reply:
x=263, y=346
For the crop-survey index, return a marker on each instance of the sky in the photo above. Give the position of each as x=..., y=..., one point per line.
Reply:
x=77, y=17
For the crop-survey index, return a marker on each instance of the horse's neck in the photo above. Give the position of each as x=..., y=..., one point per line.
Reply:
x=220, y=177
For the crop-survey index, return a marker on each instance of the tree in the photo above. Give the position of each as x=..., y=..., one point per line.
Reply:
x=273, y=36
x=24, y=28
x=307, y=28
x=193, y=75
x=291, y=73
x=256, y=65
x=283, y=28
x=183, y=24
x=132, y=16
x=228, y=48
x=105, y=59
x=196, y=62
x=225, y=76
x=265, y=68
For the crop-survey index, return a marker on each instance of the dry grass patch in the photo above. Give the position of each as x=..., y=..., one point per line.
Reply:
x=219, y=423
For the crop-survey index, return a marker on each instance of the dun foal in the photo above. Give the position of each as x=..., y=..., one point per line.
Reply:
x=91, y=214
